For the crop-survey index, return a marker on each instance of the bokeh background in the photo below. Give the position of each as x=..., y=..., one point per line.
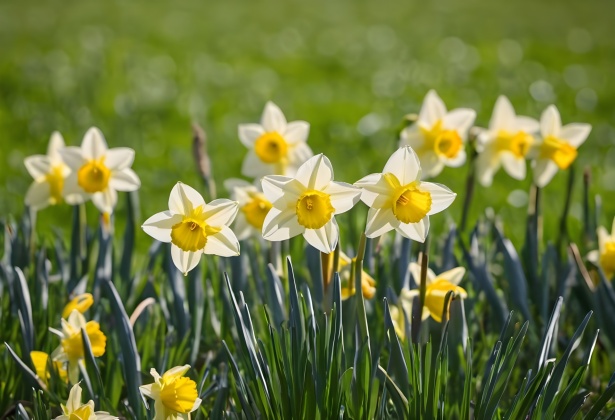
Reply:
x=143, y=71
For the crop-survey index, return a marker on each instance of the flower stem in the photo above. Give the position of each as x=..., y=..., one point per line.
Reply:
x=467, y=199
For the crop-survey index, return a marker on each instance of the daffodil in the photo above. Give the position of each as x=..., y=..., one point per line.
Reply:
x=275, y=147
x=368, y=284
x=80, y=302
x=71, y=349
x=399, y=320
x=558, y=148
x=399, y=200
x=74, y=410
x=438, y=136
x=49, y=172
x=437, y=288
x=604, y=256
x=307, y=204
x=253, y=208
x=40, y=360
x=506, y=142
x=98, y=172
x=175, y=395
x=194, y=227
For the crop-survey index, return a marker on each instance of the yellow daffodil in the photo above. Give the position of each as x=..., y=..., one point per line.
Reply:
x=253, y=208
x=399, y=321
x=74, y=410
x=194, y=227
x=40, y=360
x=558, y=147
x=174, y=394
x=98, y=172
x=368, y=284
x=506, y=142
x=71, y=347
x=275, y=147
x=437, y=288
x=399, y=200
x=81, y=303
x=604, y=256
x=438, y=136
x=49, y=172
x=307, y=204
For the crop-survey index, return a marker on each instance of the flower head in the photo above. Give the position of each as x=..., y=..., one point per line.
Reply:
x=275, y=147
x=558, y=148
x=194, y=227
x=439, y=136
x=49, y=172
x=74, y=410
x=174, y=394
x=307, y=204
x=437, y=288
x=98, y=172
x=506, y=143
x=399, y=200
x=80, y=302
x=604, y=256
x=368, y=284
x=253, y=208
x=40, y=360
x=71, y=347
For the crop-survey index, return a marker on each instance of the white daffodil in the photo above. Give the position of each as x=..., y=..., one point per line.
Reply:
x=307, y=203
x=71, y=347
x=275, y=147
x=558, y=148
x=399, y=200
x=506, y=143
x=439, y=136
x=174, y=394
x=194, y=227
x=253, y=207
x=74, y=410
x=98, y=172
x=49, y=172
x=604, y=256
x=436, y=290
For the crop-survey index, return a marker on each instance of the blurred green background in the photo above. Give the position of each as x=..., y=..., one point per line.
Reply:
x=144, y=71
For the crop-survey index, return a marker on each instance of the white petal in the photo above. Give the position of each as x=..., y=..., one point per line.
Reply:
x=241, y=184
x=146, y=390
x=159, y=225
x=103, y=415
x=544, y=171
x=431, y=165
x=223, y=243
x=460, y=119
x=197, y=404
x=433, y=109
x=254, y=167
x=56, y=142
x=412, y=136
x=38, y=195
x=281, y=191
x=185, y=260
x=375, y=191
x=183, y=199
x=125, y=180
x=72, y=156
x=404, y=164
x=550, y=122
x=343, y=196
x=105, y=201
x=119, y=158
x=613, y=229
x=281, y=225
x=38, y=166
x=575, y=133
x=296, y=132
x=456, y=161
x=93, y=145
x=74, y=398
x=603, y=238
x=454, y=275
x=594, y=256
x=273, y=119
x=527, y=124
x=415, y=231
x=299, y=153
x=503, y=117
x=379, y=222
x=242, y=228
x=315, y=173
x=324, y=239
x=72, y=192
x=220, y=212
x=514, y=166
x=441, y=196
x=248, y=133
x=415, y=270
x=487, y=165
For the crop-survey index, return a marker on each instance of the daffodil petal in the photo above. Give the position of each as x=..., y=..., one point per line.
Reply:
x=282, y=191
x=105, y=201
x=460, y=119
x=514, y=166
x=458, y=160
x=175, y=372
x=184, y=198
x=432, y=110
x=93, y=145
x=185, y=260
x=119, y=158
x=454, y=275
x=415, y=231
x=379, y=222
x=253, y=167
x=56, y=142
x=415, y=270
x=146, y=390
x=544, y=171
x=527, y=124
x=243, y=230
x=503, y=117
x=324, y=239
x=300, y=153
x=404, y=164
x=296, y=132
x=74, y=398
x=124, y=180
x=431, y=164
x=38, y=194
x=273, y=118
x=248, y=133
x=486, y=167
x=73, y=194
x=220, y=212
x=441, y=196
x=550, y=122
x=343, y=196
x=72, y=156
x=159, y=225
x=223, y=243
x=411, y=136
x=575, y=133
x=232, y=183
x=38, y=166
x=316, y=173
x=281, y=225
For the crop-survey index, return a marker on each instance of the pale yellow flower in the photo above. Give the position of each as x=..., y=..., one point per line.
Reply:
x=174, y=394
x=74, y=410
x=40, y=359
x=80, y=302
x=253, y=208
x=604, y=256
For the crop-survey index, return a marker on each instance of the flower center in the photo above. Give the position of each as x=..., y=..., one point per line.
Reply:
x=94, y=176
x=410, y=204
x=179, y=394
x=314, y=209
x=607, y=260
x=73, y=345
x=271, y=147
x=516, y=143
x=256, y=210
x=82, y=413
x=558, y=151
x=446, y=143
x=56, y=183
x=191, y=233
